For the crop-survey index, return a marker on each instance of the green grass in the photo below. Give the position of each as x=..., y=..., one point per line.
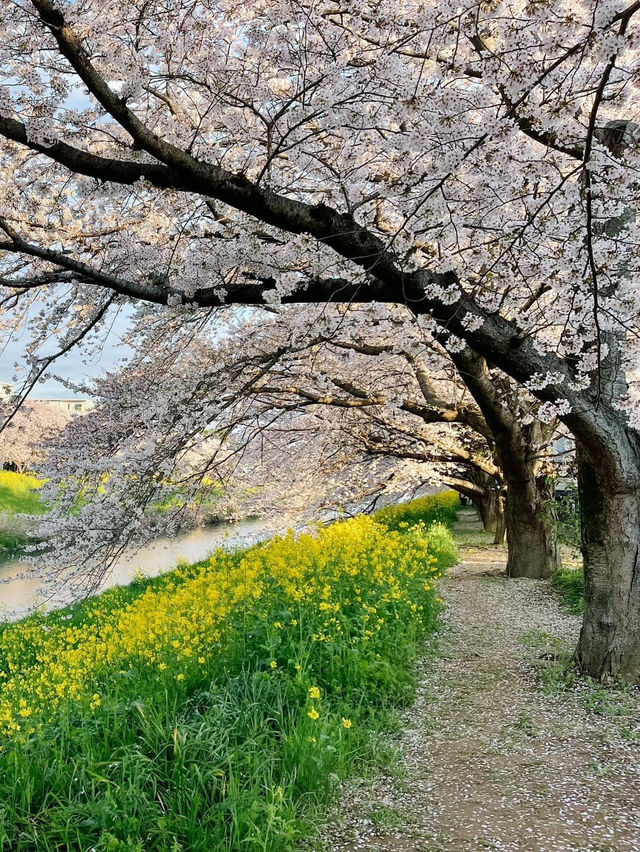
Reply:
x=385, y=817
x=570, y=583
x=555, y=660
x=474, y=538
x=228, y=755
x=208, y=497
x=18, y=496
x=19, y=493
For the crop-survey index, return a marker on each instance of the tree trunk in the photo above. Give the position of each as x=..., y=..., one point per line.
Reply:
x=531, y=539
x=519, y=451
x=486, y=492
x=489, y=510
x=531, y=536
x=501, y=526
x=610, y=513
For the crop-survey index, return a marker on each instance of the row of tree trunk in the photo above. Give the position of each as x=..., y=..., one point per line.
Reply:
x=517, y=510
x=610, y=520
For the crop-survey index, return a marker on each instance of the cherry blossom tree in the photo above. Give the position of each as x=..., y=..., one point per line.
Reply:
x=27, y=434
x=388, y=383
x=521, y=444
x=473, y=162
x=348, y=413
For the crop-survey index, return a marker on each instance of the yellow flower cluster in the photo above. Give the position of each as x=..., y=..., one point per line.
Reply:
x=433, y=507
x=345, y=580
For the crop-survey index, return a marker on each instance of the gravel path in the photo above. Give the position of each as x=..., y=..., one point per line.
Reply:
x=490, y=760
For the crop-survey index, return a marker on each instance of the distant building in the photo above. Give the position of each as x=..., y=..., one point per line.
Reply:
x=563, y=449
x=73, y=406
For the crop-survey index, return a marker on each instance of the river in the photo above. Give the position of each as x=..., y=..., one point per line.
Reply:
x=19, y=591
x=19, y=586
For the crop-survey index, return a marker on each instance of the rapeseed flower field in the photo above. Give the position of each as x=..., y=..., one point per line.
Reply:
x=215, y=707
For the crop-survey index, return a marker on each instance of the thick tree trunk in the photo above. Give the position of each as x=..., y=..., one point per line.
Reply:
x=491, y=511
x=486, y=492
x=531, y=539
x=531, y=536
x=518, y=450
x=610, y=513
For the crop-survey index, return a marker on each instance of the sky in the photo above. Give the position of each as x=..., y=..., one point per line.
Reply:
x=71, y=367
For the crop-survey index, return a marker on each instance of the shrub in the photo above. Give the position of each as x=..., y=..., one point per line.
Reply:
x=570, y=583
x=563, y=513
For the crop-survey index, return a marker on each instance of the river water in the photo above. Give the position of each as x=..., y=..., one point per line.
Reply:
x=19, y=586
x=19, y=590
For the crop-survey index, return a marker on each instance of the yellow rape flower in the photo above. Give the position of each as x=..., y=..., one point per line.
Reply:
x=353, y=571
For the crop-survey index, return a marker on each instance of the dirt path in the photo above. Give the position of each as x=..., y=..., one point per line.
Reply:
x=491, y=760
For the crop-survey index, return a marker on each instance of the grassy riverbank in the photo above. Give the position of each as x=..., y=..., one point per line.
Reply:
x=18, y=496
x=217, y=706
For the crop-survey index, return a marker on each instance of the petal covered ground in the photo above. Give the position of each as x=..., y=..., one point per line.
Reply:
x=492, y=760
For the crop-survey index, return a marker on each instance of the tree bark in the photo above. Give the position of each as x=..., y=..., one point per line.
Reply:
x=531, y=539
x=501, y=527
x=486, y=492
x=490, y=511
x=609, y=644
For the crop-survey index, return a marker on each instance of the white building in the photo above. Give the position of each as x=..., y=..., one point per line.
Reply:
x=73, y=406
